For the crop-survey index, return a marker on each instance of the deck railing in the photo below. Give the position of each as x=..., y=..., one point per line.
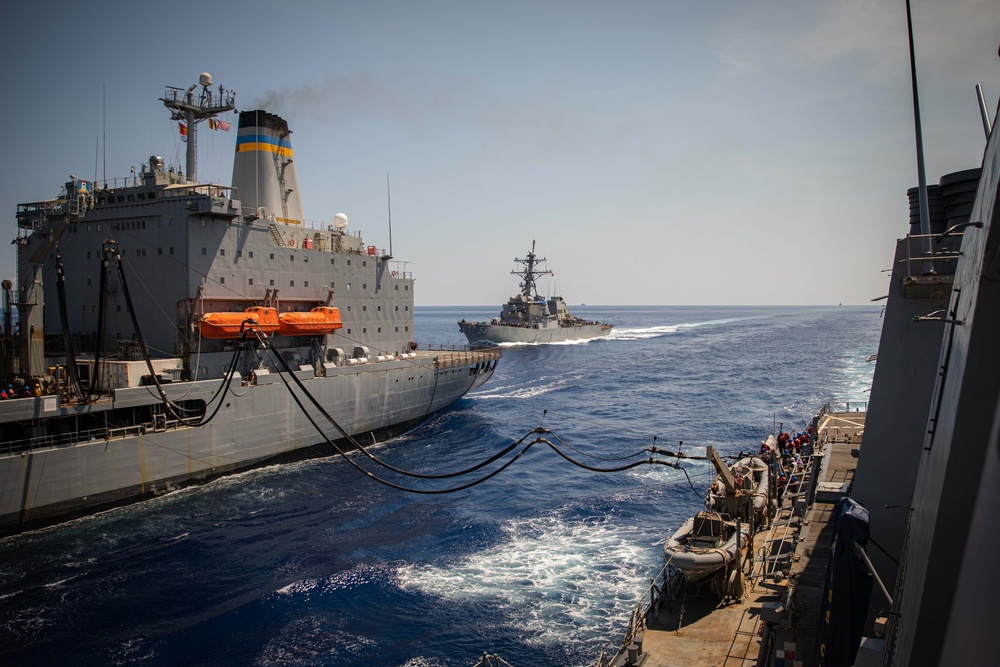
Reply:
x=944, y=253
x=71, y=439
x=647, y=604
x=844, y=406
x=457, y=347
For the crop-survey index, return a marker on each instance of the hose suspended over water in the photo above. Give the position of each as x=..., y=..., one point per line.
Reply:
x=251, y=328
x=111, y=248
x=288, y=373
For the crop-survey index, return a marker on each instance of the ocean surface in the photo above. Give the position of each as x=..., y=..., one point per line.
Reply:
x=314, y=564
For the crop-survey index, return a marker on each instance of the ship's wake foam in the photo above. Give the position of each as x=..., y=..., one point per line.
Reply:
x=559, y=580
x=641, y=333
x=580, y=341
x=521, y=390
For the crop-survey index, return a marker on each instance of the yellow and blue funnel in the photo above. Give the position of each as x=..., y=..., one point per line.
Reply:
x=264, y=171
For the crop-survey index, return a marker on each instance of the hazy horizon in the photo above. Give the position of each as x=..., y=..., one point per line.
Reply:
x=657, y=152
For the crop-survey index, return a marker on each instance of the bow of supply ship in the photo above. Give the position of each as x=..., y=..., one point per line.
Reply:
x=171, y=331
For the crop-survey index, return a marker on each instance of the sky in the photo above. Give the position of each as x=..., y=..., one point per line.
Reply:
x=728, y=152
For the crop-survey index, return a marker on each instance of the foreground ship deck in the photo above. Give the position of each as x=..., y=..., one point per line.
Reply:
x=910, y=577
x=791, y=558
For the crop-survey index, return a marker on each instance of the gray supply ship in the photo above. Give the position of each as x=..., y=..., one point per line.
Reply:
x=528, y=317
x=171, y=331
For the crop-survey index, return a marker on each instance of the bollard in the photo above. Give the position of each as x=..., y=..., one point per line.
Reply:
x=633, y=655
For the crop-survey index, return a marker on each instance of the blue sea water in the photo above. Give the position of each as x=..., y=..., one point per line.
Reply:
x=314, y=564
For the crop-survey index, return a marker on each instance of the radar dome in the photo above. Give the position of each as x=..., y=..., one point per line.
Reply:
x=205, y=79
x=340, y=221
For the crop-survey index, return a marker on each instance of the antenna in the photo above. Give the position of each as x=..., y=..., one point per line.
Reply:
x=388, y=194
x=529, y=288
x=984, y=112
x=184, y=107
x=104, y=113
x=925, y=229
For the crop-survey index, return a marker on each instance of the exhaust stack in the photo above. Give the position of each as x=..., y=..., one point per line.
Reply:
x=263, y=169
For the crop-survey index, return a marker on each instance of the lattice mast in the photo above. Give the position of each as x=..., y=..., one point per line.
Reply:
x=529, y=273
x=184, y=107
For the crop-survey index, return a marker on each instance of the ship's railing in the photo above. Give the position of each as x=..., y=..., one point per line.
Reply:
x=438, y=347
x=250, y=213
x=843, y=406
x=31, y=216
x=83, y=437
x=205, y=100
x=461, y=355
x=206, y=189
x=945, y=253
x=126, y=431
x=52, y=441
x=647, y=606
x=317, y=225
x=130, y=181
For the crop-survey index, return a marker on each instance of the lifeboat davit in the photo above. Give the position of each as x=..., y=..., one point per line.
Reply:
x=317, y=322
x=228, y=325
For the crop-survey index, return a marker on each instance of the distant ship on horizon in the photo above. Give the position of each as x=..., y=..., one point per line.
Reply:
x=527, y=317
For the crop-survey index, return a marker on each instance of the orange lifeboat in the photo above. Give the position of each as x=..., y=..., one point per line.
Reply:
x=227, y=325
x=317, y=322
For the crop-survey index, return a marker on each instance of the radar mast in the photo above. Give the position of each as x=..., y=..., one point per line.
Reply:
x=528, y=275
x=184, y=107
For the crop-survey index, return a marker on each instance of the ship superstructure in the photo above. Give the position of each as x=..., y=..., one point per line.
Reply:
x=124, y=291
x=528, y=317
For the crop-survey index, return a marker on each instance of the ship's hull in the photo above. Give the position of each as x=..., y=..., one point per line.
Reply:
x=480, y=333
x=257, y=424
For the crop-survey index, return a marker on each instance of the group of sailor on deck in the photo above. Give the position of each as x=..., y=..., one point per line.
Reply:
x=25, y=392
x=788, y=454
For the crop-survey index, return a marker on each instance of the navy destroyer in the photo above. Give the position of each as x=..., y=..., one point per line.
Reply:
x=528, y=317
x=172, y=330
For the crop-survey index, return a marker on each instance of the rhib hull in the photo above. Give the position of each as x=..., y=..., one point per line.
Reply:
x=697, y=561
x=257, y=424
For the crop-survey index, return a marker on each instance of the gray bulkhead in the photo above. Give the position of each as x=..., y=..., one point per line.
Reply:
x=181, y=241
